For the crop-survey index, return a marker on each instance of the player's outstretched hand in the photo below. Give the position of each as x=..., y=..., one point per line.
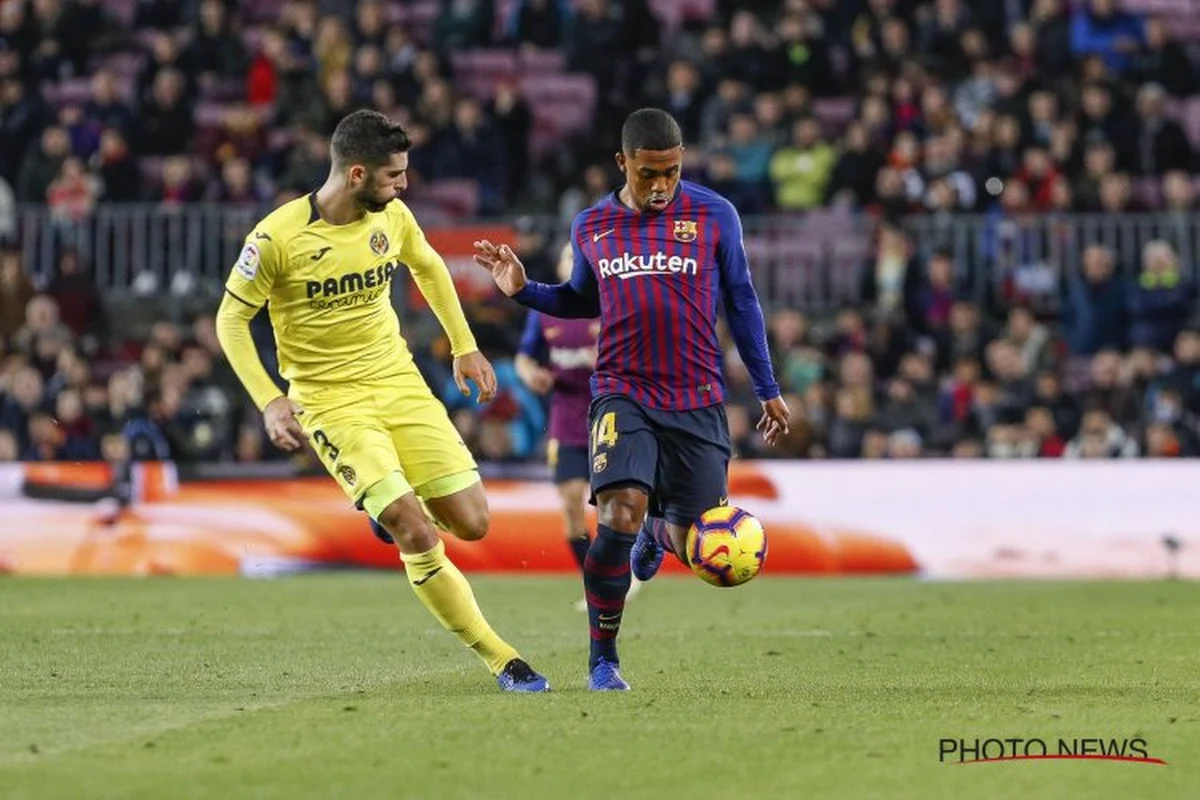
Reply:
x=507, y=270
x=774, y=422
x=474, y=367
x=279, y=418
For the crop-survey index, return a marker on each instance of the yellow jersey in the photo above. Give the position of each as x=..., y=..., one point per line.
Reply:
x=328, y=292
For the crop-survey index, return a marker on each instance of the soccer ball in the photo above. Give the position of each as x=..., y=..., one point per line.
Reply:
x=726, y=546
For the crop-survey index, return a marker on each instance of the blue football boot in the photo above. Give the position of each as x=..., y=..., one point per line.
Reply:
x=646, y=556
x=517, y=676
x=606, y=677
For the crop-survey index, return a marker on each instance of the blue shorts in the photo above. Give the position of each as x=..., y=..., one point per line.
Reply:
x=680, y=458
x=569, y=462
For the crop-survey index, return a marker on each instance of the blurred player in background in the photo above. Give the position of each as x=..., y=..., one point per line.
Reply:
x=652, y=260
x=325, y=263
x=557, y=357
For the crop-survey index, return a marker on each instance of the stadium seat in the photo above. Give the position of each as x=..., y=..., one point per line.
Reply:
x=457, y=197
x=494, y=63
x=796, y=272
x=542, y=62
x=834, y=114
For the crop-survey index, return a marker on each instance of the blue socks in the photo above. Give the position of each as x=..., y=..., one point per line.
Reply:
x=606, y=579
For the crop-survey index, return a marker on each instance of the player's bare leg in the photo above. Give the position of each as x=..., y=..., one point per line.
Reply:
x=463, y=513
x=444, y=590
x=606, y=579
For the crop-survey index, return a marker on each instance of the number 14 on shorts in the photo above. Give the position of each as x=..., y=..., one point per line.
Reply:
x=604, y=435
x=604, y=431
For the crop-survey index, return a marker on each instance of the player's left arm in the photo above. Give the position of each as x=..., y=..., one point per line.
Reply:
x=746, y=322
x=433, y=280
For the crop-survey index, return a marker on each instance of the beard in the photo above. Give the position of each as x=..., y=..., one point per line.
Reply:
x=367, y=198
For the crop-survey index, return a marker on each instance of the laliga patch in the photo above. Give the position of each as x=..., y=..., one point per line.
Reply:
x=247, y=263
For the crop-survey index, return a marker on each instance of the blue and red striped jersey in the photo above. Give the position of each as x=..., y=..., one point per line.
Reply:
x=656, y=281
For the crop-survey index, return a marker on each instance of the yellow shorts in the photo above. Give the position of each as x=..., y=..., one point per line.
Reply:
x=395, y=430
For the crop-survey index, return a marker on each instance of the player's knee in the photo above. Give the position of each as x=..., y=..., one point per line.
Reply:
x=473, y=525
x=408, y=526
x=623, y=509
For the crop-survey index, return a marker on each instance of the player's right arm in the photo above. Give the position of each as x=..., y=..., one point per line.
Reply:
x=579, y=297
x=246, y=291
x=530, y=356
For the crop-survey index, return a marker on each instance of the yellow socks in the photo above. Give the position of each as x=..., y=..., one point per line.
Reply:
x=445, y=592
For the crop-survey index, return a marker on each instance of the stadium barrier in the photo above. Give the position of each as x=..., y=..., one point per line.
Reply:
x=810, y=261
x=933, y=519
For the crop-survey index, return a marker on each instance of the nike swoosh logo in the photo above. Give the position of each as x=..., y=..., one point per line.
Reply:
x=598, y=236
x=427, y=577
x=321, y=253
x=608, y=617
x=261, y=236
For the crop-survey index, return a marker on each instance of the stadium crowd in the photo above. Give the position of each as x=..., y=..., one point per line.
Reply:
x=885, y=108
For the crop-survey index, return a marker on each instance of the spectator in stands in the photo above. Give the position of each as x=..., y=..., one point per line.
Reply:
x=74, y=292
x=802, y=171
x=72, y=196
x=1161, y=143
x=1160, y=302
x=16, y=290
x=216, y=50
x=43, y=165
x=1095, y=304
x=105, y=109
x=853, y=178
x=464, y=25
x=23, y=398
x=1163, y=61
x=158, y=14
x=1184, y=375
x=179, y=185
x=1031, y=339
x=853, y=410
x=235, y=185
x=594, y=43
x=1100, y=437
x=470, y=148
x=538, y=24
x=1109, y=389
x=165, y=123
x=120, y=180
x=513, y=121
x=1099, y=28
x=1099, y=119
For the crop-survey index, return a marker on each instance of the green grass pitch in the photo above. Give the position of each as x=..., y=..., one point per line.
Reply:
x=340, y=686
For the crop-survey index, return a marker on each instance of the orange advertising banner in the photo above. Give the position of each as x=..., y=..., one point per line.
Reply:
x=58, y=522
x=457, y=246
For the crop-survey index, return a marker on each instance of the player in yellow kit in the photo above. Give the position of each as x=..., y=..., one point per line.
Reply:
x=324, y=264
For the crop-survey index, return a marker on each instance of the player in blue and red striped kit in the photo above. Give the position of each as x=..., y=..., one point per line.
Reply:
x=653, y=261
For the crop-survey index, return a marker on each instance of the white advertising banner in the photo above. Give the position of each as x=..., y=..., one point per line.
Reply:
x=985, y=519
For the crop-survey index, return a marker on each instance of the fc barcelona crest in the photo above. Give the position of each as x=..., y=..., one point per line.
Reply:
x=379, y=243
x=685, y=230
x=346, y=472
x=600, y=462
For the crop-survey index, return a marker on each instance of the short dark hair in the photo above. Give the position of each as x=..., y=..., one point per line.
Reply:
x=650, y=129
x=367, y=137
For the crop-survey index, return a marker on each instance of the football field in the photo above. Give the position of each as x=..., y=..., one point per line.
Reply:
x=340, y=685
